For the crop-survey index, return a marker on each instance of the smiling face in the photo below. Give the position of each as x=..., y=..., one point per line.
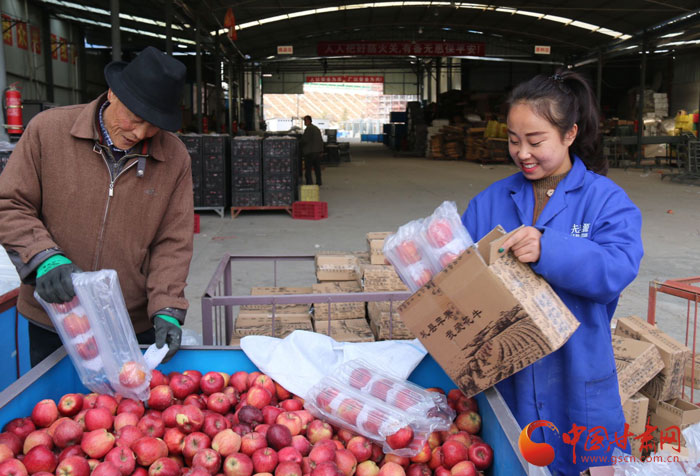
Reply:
x=536, y=146
x=125, y=128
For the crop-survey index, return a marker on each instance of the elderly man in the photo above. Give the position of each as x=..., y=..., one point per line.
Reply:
x=103, y=185
x=311, y=149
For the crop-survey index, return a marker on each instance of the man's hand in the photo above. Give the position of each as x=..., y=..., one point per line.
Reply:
x=53, y=280
x=168, y=331
x=525, y=244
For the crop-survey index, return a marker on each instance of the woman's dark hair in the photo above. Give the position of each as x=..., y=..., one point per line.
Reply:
x=565, y=99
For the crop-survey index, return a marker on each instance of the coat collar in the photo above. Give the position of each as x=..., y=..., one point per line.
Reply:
x=522, y=194
x=87, y=126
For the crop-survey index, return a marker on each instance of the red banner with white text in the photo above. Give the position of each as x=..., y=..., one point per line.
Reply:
x=400, y=48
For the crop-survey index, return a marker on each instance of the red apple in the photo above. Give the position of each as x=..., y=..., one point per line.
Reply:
x=325, y=397
x=251, y=415
x=290, y=420
x=391, y=469
x=70, y=404
x=194, y=442
x=367, y=468
x=226, y=442
x=301, y=444
x=408, y=252
x=232, y=395
x=278, y=436
x=359, y=377
x=161, y=397
x=67, y=433
x=44, y=413
x=258, y=396
x=158, y=378
x=435, y=458
x=401, y=438
x=5, y=452
x=132, y=374
x=140, y=472
x=123, y=459
x=148, y=449
x=402, y=461
x=265, y=382
x=288, y=468
x=424, y=455
x=90, y=400
x=151, y=425
x=12, y=467
x=452, y=453
x=189, y=419
x=373, y=422
x=20, y=427
x=164, y=467
x=291, y=405
x=75, y=324
x=251, y=442
x=418, y=469
x=281, y=392
x=326, y=468
x=106, y=469
x=40, y=458
x=238, y=464
x=349, y=409
x=306, y=418
x=380, y=388
x=129, y=405
x=439, y=232
x=447, y=258
x=469, y=421
x=74, y=450
x=346, y=461
x=183, y=385
x=96, y=418
x=126, y=435
x=97, y=443
x=208, y=459
x=214, y=423
x=219, y=403
x=319, y=430
x=212, y=382
x=463, y=437
x=169, y=415
x=289, y=453
x=125, y=419
x=481, y=455
x=464, y=468
x=175, y=440
x=270, y=414
x=239, y=381
x=264, y=460
x=36, y=438
x=12, y=441
x=360, y=447
x=321, y=453
x=87, y=350
x=73, y=466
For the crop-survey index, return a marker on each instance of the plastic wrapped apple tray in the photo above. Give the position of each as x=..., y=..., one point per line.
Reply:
x=97, y=333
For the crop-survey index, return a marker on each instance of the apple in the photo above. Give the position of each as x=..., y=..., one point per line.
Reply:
x=219, y=403
x=214, y=423
x=321, y=453
x=44, y=413
x=469, y=421
x=208, y=459
x=408, y=252
x=175, y=440
x=196, y=471
x=232, y=395
x=307, y=465
x=435, y=458
x=367, y=468
x=132, y=374
x=447, y=258
x=123, y=459
x=73, y=466
x=239, y=381
x=125, y=419
x=106, y=469
x=278, y=436
x=67, y=433
x=360, y=447
x=291, y=405
x=5, y=452
x=391, y=469
x=401, y=438
x=292, y=421
x=465, y=404
x=326, y=468
x=251, y=442
x=281, y=392
x=20, y=427
x=161, y=397
x=441, y=471
x=12, y=441
x=164, y=467
x=288, y=468
x=238, y=464
x=463, y=437
x=439, y=232
x=169, y=415
x=226, y=442
x=464, y=468
x=70, y=404
x=346, y=461
x=306, y=418
x=251, y=415
x=301, y=444
x=151, y=426
x=402, y=461
x=189, y=419
x=158, y=378
x=212, y=382
x=13, y=467
x=40, y=458
x=265, y=382
x=126, y=435
x=148, y=449
x=90, y=400
x=194, y=442
x=107, y=401
x=264, y=460
x=74, y=450
x=373, y=421
x=325, y=397
x=424, y=455
x=289, y=453
x=348, y=410
x=87, y=350
x=183, y=385
x=434, y=439
x=262, y=429
x=75, y=324
x=97, y=443
x=377, y=454
x=36, y=438
x=344, y=435
x=418, y=469
x=453, y=452
x=359, y=377
x=380, y=388
x=258, y=396
x=481, y=454
x=129, y=405
x=96, y=418
x=318, y=430
x=270, y=414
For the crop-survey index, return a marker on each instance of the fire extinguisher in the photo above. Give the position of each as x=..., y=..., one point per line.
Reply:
x=12, y=108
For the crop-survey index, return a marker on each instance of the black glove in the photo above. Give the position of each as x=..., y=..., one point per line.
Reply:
x=53, y=280
x=167, y=332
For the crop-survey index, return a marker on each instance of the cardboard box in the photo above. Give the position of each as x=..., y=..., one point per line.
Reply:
x=338, y=310
x=667, y=383
x=335, y=266
x=635, y=409
x=379, y=321
x=690, y=379
x=347, y=330
x=375, y=244
x=637, y=363
x=362, y=257
x=679, y=412
x=378, y=278
x=487, y=315
x=260, y=323
x=670, y=433
x=279, y=308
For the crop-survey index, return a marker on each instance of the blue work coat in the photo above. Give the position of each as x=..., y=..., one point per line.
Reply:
x=591, y=248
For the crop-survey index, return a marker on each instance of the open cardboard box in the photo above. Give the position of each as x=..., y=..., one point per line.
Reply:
x=637, y=363
x=487, y=315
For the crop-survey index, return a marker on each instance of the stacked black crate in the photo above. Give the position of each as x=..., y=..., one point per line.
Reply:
x=280, y=158
x=215, y=160
x=193, y=143
x=246, y=172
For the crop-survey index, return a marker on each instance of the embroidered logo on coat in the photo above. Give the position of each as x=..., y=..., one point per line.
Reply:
x=150, y=191
x=581, y=231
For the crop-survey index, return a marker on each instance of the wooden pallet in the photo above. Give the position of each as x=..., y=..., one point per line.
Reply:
x=235, y=211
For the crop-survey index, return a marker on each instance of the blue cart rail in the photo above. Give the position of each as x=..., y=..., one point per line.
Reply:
x=56, y=376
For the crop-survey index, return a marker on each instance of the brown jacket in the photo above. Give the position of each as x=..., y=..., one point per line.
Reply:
x=56, y=195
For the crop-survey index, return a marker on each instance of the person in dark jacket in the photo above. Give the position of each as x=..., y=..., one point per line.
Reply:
x=105, y=185
x=311, y=149
x=582, y=234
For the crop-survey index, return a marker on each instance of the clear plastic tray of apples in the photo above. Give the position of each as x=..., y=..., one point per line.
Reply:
x=421, y=248
x=395, y=428
x=97, y=333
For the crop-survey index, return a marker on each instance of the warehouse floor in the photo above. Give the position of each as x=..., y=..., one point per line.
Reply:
x=378, y=191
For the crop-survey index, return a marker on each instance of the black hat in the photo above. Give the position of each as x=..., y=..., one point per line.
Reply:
x=150, y=86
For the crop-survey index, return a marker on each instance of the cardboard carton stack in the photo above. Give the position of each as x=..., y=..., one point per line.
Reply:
x=344, y=322
x=375, y=246
x=385, y=326
x=336, y=266
x=637, y=363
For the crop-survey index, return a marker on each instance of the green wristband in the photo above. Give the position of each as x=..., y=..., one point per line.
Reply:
x=50, y=263
x=169, y=319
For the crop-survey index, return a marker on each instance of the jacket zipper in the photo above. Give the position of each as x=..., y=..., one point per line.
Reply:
x=109, y=198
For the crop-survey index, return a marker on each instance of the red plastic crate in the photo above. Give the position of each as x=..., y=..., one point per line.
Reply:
x=310, y=210
x=196, y=223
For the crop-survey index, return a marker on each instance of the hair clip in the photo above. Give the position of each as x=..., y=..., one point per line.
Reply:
x=557, y=77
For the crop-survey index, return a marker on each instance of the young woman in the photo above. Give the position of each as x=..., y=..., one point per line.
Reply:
x=583, y=235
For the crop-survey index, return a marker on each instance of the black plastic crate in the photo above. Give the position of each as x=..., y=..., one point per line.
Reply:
x=193, y=143
x=214, y=162
x=280, y=165
x=278, y=198
x=247, y=199
x=282, y=182
x=245, y=165
x=213, y=198
x=215, y=145
x=214, y=181
x=280, y=147
x=251, y=148
x=246, y=183
x=4, y=157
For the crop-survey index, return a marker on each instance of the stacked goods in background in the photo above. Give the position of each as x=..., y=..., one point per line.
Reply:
x=435, y=139
x=246, y=172
x=215, y=174
x=478, y=141
x=653, y=362
x=280, y=162
x=193, y=143
x=397, y=130
x=417, y=130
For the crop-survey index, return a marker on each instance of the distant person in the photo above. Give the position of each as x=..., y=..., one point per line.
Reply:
x=311, y=148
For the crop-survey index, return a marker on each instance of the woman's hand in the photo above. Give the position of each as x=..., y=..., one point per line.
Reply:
x=525, y=244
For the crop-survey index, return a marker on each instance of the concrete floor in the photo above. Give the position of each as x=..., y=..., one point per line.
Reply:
x=378, y=191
